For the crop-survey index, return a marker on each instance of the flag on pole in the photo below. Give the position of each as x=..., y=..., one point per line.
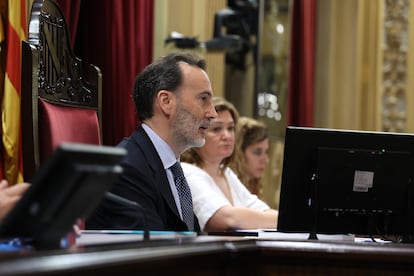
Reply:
x=12, y=32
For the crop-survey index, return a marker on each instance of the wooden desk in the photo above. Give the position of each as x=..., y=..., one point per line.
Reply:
x=330, y=258
x=217, y=256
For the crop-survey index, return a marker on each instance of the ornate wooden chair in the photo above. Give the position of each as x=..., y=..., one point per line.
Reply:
x=59, y=103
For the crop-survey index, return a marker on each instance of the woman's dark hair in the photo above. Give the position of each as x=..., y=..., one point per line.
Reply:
x=163, y=74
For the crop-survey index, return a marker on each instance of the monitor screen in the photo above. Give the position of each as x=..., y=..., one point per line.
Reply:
x=68, y=186
x=347, y=182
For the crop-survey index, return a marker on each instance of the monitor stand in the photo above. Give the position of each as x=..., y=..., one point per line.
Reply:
x=312, y=203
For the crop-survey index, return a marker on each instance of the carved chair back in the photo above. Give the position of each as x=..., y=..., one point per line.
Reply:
x=59, y=102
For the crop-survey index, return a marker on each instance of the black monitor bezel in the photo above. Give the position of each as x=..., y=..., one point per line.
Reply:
x=298, y=207
x=68, y=186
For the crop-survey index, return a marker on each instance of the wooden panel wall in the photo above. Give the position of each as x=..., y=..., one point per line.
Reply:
x=192, y=19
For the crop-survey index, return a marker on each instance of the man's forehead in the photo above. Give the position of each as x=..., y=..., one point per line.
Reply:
x=185, y=67
x=182, y=63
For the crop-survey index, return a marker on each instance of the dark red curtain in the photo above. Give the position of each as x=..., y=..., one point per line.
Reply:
x=302, y=63
x=70, y=9
x=117, y=36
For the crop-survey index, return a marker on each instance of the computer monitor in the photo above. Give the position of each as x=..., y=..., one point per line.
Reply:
x=347, y=182
x=68, y=186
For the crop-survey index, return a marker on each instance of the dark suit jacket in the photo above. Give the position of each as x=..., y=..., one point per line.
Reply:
x=145, y=182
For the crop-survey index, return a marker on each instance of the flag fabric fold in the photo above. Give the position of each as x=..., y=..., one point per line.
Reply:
x=12, y=32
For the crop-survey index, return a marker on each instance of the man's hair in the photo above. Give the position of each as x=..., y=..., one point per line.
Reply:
x=163, y=74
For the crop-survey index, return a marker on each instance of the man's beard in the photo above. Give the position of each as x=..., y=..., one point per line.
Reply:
x=186, y=129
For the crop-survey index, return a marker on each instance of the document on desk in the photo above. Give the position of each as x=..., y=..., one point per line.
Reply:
x=272, y=234
x=276, y=235
x=94, y=237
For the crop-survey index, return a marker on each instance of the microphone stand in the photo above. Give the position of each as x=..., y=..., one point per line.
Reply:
x=123, y=201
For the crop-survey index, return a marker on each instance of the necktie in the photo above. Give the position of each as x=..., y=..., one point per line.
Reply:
x=184, y=194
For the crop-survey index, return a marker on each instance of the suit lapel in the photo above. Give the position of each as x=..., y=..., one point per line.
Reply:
x=157, y=167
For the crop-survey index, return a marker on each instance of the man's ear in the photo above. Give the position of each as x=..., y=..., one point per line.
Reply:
x=165, y=102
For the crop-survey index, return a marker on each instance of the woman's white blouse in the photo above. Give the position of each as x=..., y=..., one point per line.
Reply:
x=208, y=198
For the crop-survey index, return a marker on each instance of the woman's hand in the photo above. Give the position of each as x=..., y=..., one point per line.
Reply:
x=9, y=196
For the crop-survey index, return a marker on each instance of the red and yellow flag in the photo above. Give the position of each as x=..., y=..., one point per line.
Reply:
x=12, y=31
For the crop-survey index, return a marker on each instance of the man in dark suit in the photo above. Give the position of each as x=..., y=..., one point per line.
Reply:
x=173, y=101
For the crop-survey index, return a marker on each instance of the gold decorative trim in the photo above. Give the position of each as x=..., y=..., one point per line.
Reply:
x=394, y=66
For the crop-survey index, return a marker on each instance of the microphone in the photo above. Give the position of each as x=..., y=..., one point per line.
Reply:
x=133, y=204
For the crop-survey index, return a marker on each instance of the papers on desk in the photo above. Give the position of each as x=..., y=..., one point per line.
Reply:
x=94, y=237
x=271, y=234
x=275, y=235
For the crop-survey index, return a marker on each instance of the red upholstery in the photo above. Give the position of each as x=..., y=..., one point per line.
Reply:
x=59, y=124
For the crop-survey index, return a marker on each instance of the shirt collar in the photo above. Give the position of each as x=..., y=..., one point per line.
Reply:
x=163, y=149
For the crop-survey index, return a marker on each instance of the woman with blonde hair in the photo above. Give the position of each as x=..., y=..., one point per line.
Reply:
x=220, y=201
x=251, y=153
